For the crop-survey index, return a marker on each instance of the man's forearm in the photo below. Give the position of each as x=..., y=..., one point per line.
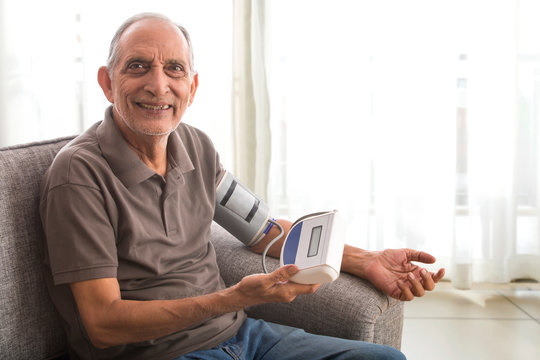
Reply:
x=110, y=321
x=356, y=260
x=113, y=321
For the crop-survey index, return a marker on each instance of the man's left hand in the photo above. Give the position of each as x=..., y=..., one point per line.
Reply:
x=392, y=270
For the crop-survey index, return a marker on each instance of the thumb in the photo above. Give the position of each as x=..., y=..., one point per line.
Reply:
x=423, y=257
x=284, y=273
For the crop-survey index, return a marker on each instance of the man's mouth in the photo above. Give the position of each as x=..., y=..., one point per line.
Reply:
x=154, y=107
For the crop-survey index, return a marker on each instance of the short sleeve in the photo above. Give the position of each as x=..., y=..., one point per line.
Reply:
x=220, y=171
x=80, y=241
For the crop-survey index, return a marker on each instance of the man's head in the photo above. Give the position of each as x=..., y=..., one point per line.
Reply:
x=113, y=49
x=149, y=78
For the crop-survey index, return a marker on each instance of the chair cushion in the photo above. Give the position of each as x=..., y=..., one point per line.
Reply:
x=29, y=325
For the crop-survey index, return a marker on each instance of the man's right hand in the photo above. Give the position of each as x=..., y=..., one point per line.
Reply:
x=274, y=287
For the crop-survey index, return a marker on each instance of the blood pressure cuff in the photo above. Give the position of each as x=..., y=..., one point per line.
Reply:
x=240, y=211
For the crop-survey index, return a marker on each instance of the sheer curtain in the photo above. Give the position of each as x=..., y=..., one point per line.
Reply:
x=39, y=71
x=418, y=121
x=251, y=105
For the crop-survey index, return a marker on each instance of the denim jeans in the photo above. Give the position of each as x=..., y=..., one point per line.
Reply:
x=258, y=339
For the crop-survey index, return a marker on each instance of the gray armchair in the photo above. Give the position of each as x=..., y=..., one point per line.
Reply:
x=31, y=329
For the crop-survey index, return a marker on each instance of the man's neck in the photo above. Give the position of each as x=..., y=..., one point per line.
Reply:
x=154, y=155
x=151, y=149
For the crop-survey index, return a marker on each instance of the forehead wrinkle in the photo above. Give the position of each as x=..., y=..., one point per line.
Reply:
x=141, y=36
x=150, y=54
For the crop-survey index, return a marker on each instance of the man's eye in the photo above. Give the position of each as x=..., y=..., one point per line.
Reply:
x=176, y=70
x=136, y=67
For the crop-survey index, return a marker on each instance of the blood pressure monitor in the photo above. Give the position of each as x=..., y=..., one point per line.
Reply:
x=315, y=245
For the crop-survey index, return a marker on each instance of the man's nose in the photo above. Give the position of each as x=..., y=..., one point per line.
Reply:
x=157, y=82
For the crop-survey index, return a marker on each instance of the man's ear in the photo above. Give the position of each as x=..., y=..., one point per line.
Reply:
x=194, y=86
x=104, y=81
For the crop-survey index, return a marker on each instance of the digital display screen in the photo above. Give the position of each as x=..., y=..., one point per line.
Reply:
x=314, y=241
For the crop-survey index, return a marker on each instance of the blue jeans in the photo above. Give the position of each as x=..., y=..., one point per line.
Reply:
x=258, y=339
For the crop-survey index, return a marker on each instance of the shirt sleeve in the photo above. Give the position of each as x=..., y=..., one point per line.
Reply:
x=220, y=171
x=80, y=241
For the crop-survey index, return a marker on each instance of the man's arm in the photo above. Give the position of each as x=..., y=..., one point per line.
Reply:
x=391, y=271
x=109, y=320
x=275, y=250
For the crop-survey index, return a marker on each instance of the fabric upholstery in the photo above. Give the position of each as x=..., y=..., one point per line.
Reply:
x=30, y=327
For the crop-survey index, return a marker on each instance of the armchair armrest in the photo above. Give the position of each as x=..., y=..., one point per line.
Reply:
x=348, y=307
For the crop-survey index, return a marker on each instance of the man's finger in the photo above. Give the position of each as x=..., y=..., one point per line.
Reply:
x=302, y=289
x=406, y=294
x=417, y=288
x=283, y=274
x=420, y=256
x=427, y=279
x=439, y=275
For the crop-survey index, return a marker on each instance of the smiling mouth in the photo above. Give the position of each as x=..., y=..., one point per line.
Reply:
x=154, y=107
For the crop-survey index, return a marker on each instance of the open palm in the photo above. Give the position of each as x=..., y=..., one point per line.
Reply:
x=393, y=272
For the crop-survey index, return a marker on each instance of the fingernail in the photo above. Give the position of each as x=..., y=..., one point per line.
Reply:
x=411, y=276
x=423, y=272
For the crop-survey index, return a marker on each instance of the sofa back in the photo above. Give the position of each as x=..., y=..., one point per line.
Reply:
x=29, y=325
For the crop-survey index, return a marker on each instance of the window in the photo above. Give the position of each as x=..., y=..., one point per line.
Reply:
x=417, y=119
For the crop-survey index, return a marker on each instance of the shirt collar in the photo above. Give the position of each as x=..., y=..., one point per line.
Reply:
x=179, y=161
x=127, y=166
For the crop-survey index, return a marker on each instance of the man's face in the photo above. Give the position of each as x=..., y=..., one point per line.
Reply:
x=151, y=87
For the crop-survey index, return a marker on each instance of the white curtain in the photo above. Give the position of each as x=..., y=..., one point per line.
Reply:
x=418, y=121
x=40, y=84
x=251, y=107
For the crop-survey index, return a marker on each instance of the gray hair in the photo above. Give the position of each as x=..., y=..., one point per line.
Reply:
x=112, y=60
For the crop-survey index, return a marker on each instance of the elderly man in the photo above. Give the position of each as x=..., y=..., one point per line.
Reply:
x=127, y=208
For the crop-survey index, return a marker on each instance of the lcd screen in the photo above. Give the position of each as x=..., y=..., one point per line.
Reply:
x=315, y=241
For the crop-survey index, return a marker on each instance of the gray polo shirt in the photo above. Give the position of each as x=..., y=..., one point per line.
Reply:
x=106, y=214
